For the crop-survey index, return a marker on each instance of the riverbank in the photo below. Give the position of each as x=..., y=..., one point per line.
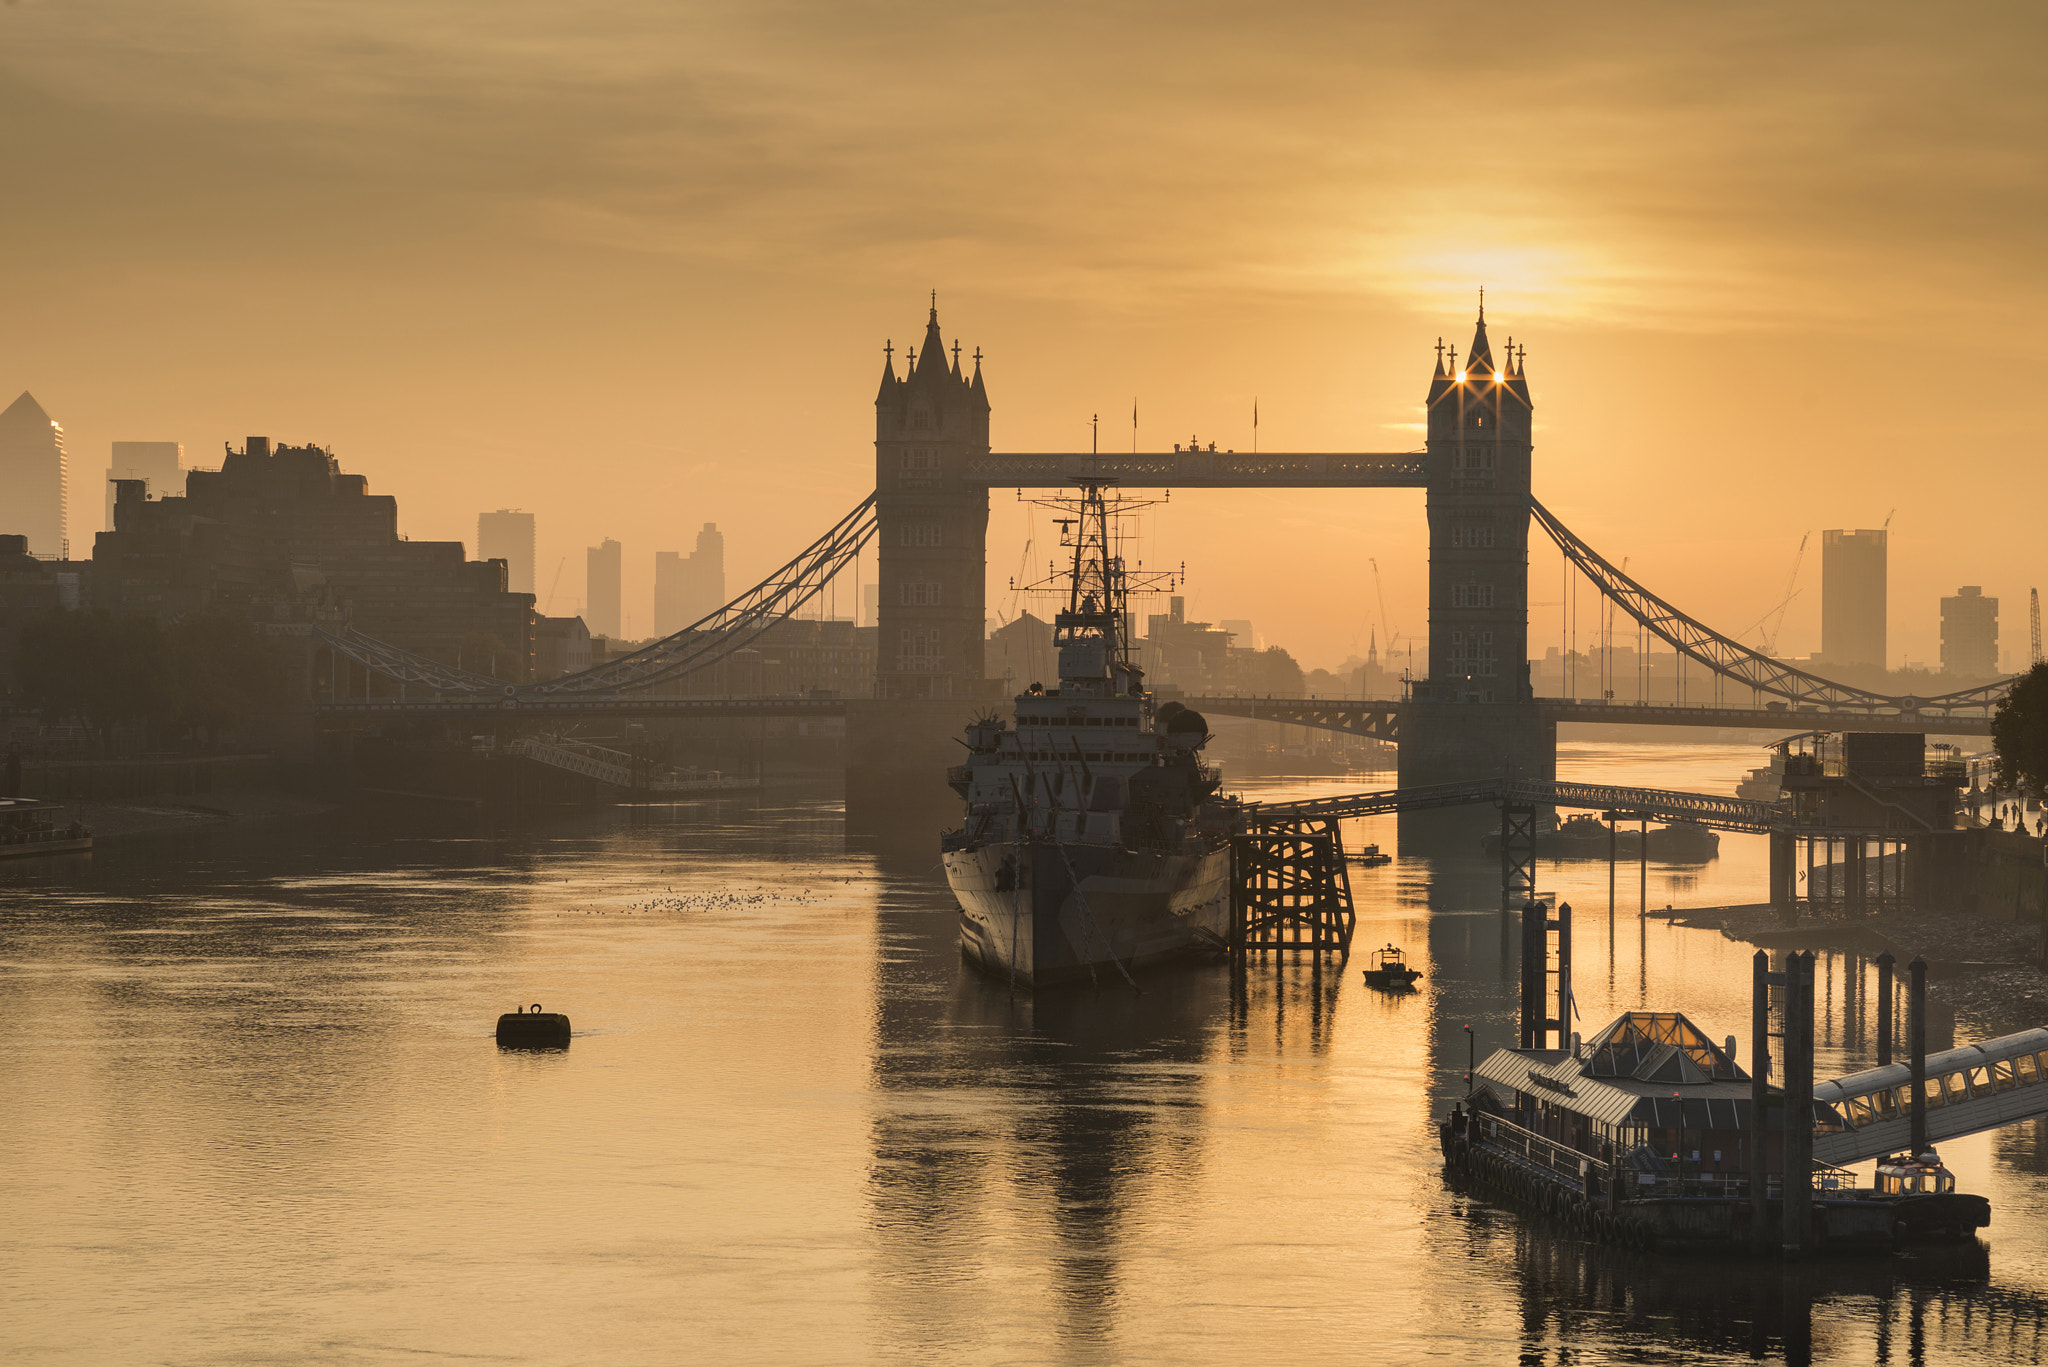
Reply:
x=142, y=819
x=1989, y=967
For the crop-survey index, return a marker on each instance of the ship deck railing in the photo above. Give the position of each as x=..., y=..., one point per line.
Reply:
x=42, y=837
x=1580, y=1171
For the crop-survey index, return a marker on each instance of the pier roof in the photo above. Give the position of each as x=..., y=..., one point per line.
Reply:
x=1653, y=1068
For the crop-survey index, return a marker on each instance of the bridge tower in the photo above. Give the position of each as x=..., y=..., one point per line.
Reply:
x=1475, y=715
x=932, y=526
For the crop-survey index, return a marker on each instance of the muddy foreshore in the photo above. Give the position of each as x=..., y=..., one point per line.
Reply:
x=1989, y=968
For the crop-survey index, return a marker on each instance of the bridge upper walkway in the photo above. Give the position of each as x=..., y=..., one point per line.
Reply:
x=1204, y=469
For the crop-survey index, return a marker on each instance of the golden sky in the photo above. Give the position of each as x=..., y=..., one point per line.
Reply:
x=630, y=265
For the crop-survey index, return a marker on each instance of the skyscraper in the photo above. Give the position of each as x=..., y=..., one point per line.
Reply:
x=1969, y=633
x=158, y=464
x=1852, y=597
x=32, y=476
x=507, y=535
x=688, y=588
x=601, y=607
x=707, y=570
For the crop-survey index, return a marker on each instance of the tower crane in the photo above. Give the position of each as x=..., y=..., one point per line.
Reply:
x=1776, y=616
x=1380, y=589
x=554, y=585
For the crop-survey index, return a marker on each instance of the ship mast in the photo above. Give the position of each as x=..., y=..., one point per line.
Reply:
x=1096, y=591
x=1091, y=631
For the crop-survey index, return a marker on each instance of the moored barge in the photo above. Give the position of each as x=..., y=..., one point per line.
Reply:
x=1642, y=1136
x=29, y=827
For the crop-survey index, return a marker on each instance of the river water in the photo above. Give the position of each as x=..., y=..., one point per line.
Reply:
x=254, y=1114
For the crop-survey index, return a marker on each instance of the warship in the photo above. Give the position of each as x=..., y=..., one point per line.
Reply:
x=1093, y=841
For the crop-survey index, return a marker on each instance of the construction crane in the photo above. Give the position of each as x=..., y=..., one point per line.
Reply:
x=2034, y=620
x=1385, y=627
x=1016, y=581
x=549, y=609
x=1776, y=616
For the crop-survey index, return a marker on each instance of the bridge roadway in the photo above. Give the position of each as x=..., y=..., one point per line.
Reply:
x=1657, y=804
x=1378, y=719
x=571, y=706
x=1381, y=719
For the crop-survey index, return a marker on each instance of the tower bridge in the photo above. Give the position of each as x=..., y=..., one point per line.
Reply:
x=1472, y=716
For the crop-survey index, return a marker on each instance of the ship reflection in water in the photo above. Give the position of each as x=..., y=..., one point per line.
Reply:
x=796, y=1128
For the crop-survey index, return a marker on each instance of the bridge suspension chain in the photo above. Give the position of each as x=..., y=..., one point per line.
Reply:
x=733, y=627
x=697, y=646
x=1729, y=657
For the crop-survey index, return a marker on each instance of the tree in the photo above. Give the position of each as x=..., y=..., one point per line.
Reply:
x=102, y=669
x=223, y=671
x=2019, y=732
x=210, y=670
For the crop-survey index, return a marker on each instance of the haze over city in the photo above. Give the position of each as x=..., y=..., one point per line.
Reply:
x=632, y=266
x=791, y=684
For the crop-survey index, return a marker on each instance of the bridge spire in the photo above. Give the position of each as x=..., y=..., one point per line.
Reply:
x=934, y=341
x=889, y=380
x=1481, y=354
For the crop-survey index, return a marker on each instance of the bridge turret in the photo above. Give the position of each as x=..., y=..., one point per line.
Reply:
x=932, y=525
x=1479, y=459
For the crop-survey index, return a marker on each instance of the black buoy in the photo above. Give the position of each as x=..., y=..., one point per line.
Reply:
x=533, y=1029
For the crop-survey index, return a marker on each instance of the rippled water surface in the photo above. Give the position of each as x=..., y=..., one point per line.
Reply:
x=254, y=1114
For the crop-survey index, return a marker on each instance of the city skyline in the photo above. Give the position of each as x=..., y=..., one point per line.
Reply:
x=1699, y=276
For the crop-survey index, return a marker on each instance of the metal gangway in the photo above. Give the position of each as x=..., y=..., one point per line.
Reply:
x=1967, y=1089
x=1706, y=809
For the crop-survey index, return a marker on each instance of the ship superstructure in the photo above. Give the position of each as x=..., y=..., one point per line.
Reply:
x=1090, y=844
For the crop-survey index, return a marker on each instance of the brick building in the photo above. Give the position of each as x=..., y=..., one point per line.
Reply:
x=285, y=536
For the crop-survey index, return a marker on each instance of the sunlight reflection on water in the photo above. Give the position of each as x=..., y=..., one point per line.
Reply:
x=256, y=1115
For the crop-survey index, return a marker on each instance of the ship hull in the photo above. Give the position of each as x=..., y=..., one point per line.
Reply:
x=1131, y=908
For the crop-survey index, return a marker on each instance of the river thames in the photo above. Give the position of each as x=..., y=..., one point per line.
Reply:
x=255, y=1115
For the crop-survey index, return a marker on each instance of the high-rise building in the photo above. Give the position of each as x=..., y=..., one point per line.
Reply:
x=282, y=535
x=688, y=588
x=507, y=535
x=160, y=465
x=1852, y=597
x=33, y=484
x=707, y=571
x=1969, y=633
x=1245, y=638
x=603, y=592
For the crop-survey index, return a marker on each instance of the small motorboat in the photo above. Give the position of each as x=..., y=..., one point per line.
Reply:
x=1371, y=857
x=1390, y=969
